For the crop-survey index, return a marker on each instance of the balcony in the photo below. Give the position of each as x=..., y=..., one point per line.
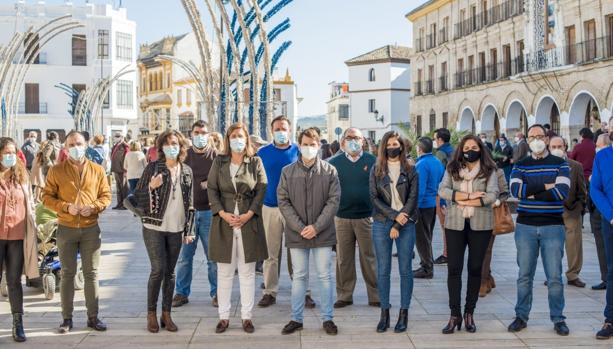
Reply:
x=42, y=109
x=442, y=83
x=419, y=45
x=418, y=89
x=493, y=15
x=442, y=36
x=430, y=41
x=459, y=79
x=589, y=51
x=430, y=87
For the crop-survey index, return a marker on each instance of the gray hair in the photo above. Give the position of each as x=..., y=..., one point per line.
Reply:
x=603, y=139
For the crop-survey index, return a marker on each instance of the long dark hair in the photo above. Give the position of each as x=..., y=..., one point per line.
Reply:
x=487, y=164
x=405, y=146
x=161, y=140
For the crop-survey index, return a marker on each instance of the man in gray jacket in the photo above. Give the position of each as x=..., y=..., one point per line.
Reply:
x=308, y=197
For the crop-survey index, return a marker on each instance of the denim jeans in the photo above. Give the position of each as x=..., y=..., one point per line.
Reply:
x=549, y=240
x=383, y=252
x=323, y=266
x=132, y=185
x=186, y=258
x=607, y=235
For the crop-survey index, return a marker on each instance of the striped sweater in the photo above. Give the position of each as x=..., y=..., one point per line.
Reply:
x=538, y=206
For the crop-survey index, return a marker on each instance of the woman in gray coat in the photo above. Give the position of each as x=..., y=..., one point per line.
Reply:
x=470, y=187
x=236, y=188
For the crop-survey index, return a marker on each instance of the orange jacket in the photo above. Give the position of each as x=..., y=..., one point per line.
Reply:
x=66, y=186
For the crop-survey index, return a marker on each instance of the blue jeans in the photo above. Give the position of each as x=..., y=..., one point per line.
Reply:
x=186, y=259
x=323, y=266
x=383, y=252
x=607, y=235
x=549, y=240
x=132, y=185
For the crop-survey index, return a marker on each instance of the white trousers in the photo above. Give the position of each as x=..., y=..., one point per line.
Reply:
x=246, y=278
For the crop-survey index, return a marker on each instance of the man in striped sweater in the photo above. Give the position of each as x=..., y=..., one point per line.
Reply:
x=541, y=182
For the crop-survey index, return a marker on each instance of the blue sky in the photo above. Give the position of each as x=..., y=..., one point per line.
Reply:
x=325, y=33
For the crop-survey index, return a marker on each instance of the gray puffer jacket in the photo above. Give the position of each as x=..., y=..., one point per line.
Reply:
x=309, y=196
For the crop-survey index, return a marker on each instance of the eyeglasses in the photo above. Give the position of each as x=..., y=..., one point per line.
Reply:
x=353, y=138
x=539, y=137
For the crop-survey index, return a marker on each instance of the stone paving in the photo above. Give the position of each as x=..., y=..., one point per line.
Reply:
x=123, y=280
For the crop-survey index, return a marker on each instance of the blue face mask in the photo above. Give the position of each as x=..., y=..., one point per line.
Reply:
x=238, y=145
x=353, y=146
x=76, y=153
x=200, y=141
x=171, y=151
x=281, y=137
x=9, y=160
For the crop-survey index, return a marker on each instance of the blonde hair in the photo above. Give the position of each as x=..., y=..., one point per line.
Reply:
x=217, y=141
x=135, y=146
x=249, y=152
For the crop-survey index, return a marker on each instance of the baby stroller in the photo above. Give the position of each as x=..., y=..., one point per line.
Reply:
x=49, y=263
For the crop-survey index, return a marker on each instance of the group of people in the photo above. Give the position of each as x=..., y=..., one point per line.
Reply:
x=241, y=198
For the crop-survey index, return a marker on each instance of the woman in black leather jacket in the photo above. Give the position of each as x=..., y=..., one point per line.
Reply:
x=393, y=191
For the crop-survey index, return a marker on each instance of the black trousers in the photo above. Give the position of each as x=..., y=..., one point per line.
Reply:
x=457, y=241
x=163, y=249
x=11, y=261
x=423, y=237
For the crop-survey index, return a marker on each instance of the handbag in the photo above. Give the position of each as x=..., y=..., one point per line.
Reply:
x=503, y=221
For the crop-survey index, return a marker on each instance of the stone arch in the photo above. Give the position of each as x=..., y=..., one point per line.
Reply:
x=486, y=101
x=466, y=120
x=583, y=112
x=516, y=116
x=584, y=86
x=547, y=111
x=490, y=121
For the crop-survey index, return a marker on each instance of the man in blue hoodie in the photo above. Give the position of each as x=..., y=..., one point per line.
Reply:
x=444, y=152
x=601, y=192
x=430, y=171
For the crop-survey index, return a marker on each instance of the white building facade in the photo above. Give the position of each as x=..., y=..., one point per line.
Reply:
x=338, y=114
x=379, y=90
x=77, y=58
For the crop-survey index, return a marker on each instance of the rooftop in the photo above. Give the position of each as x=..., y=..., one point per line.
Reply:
x=164, y=46
x=388, y=53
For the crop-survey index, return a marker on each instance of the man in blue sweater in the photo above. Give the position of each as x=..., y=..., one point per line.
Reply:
x=541, y=182
x=353, y=220
x=280, y=153
x=444, y=152
x=601, y=191
x=430, y=171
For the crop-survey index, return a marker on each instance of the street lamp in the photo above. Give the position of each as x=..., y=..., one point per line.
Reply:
x=379, y=118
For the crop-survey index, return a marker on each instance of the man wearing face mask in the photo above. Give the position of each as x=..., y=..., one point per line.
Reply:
x=280, y=153
x=487, y=143
x=353, y=220
x=118, y=155
x=309, y=194
x=30, y=148
x=573, y=212
x=521, y=148
x=200, y=159
x=78, y=191
x=541, y=182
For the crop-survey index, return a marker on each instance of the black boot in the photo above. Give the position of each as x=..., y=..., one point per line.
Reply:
x=384, y=322
x=18, y=334
x=403, y=318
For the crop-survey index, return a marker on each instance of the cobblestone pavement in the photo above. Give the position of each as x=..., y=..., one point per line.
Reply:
x=124, y=271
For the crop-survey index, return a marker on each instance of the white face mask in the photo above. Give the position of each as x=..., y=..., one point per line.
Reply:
x=516, y=139
x=309, y=153
x=559, y=153
x=538, y=146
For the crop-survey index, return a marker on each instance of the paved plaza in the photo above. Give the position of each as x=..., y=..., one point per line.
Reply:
x=124, y=270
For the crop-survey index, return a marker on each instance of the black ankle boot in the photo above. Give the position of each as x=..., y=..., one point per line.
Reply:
x=384, y=322
x=454, y=322
x=18, y=334
x=403, y=318
x=469, y=323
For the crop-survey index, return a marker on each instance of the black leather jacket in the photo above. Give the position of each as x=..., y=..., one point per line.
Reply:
x=381, y=195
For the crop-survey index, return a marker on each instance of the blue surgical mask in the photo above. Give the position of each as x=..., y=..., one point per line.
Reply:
x=238, y=145
x=353, y=146
x=77, y=152
x=9, y=160
x=200, y=141
x=281, y=137
x=171, y=151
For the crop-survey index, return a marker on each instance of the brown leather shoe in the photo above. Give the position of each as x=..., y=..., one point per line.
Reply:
x=484, y=289
x=577, y=283
x=248, y=326
x=167, y=323
x=222, y=326
x=152, y=322
x=267, y=300
x=179, y=300
x=492, y=282
x=309, y=303
x=215, y=302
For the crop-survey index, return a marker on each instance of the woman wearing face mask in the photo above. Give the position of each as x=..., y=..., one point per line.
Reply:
x=470, y=187
x=17, y=230
x=393, y=192
x=236, y=188
x=506, y=151
x=165, y=193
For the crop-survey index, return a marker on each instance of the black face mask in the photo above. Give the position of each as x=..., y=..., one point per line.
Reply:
x=472, y=155
x=393, y=152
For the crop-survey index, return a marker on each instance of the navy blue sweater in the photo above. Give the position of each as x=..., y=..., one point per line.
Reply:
x=538, y=206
